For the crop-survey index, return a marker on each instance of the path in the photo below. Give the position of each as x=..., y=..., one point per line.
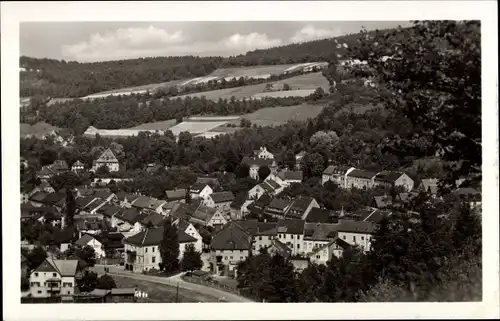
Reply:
x=173, y=281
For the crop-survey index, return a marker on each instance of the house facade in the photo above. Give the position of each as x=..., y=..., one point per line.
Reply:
x=278, y=207
x=88, y=240
x=200, y=190
x=323, y=254
x=55, y=278
x=336, y=174
x=358, y=178
x=392, y=179
x=220, y=200
x=107, y=159
x=77, y=167
x=301, y=207
x=142, y=250
x=263, y=153
x=255, y=163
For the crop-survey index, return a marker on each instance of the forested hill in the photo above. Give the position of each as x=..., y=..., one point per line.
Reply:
x=54, y=78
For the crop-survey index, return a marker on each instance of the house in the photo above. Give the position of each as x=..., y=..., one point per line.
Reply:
x=77, y=167
x=255, y=163
x=37, y=199
x=45, y=173
x=239, y=208
x=430, y=186
x=105, y=195
x=260, y=204
x=89, y=240
x=290, y=177
x=56, y=200
x=177, y=195
x=336, y=174
x=291, y=233
x=142, y=250
x=263, y=233
x=46, y=188
x=82, y=191
x=319, y=215
x=107, y=159
x=278, y=207
x=59, y=166
x=83, y=202
x=200, y=190
x=391, y=179
x=112, y=244
x=149, y=203
x=125, y=219
x=323, y=254
x=221, y=201
x=228, y=247
x=128, y=200
x=94, y=207
x=189, y=229
x=270, y=187
x=208, y=216
x=263, y=153
x=298, y=159
x=150, y=221
x=301, y=207
x=468, y=194
x=356, y=233
x=88, y=225
x=359, y=178
x=55, y=278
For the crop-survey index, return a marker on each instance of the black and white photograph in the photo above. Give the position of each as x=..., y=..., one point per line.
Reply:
x=256, y=161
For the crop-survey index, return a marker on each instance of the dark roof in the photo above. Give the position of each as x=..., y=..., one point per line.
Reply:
x=466, y=191
x=109, y=210
x=102, y=194
x=333, y=169
x=96, y=203
x=207, y=180
x=267, y=187
x=177, y=194
x=53, y=198
x=221, y=197
x=318, y=215
x=263, y=201
x=279, y=203
x=273, y=184
x=382, y=201
x=377, y=216
x=197, y=187
x=257, y=161
x=301, y=203
x=281, y=248
x=231, y=237
x=121, y=195
x=84, y=240
x=360, y=173
x=128, y=215
x=203, y=213
x=155, y=219
x=388, y=176
x=291, y=226
x=356, y=226
x=154, y=236
x=291, y=175
x=82, y=202
x=132, y=197
x=38, y=196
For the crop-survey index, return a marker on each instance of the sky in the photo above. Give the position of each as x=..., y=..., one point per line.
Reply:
x=101, y=41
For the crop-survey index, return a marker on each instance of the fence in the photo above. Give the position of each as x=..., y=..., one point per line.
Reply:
x=212, y=284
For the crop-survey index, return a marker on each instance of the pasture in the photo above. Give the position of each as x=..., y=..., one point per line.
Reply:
x=38, y=130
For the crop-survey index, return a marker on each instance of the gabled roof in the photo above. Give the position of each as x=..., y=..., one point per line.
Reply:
x=204, y=213
x=291, y=175
x=38, y=197
x=102, y=194
x=207, y=180
x=281, y=248
x=318, y=215
x=53, y=198
x=46, y=171
x=78, y=164
x=300, y=204
x=95, y=204
x=131, y=197
x=84, y=240
x=128, y=215
x=59, y=164
x=85, y=191
x=382, y=201
x=361, y=173
x=267, y=187
x=290, y=226
x=177, y=194
x=338, y=170
x=109, y=210
x=430, y=185
x=336, y=240
x=147, y=202
x=197, y=187
x=154, y=236
x=231, y=237
x=107, y=157
x=388, y=176
x=273, y=184
x=63, y=267
x=279, y=203
x=222, y=197
x=83, y=202
x=377, y=215
x=263, y=201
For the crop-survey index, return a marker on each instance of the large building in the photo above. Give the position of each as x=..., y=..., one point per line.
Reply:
x=55, y=278
x=107, y=159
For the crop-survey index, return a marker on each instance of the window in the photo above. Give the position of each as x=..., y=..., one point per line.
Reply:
x=354, y=238
x=54, y=274
x=39, y=292
x=260, y=238
x=146, y=250
x=362, y=238
x=231, y=257
x=279, y=235
x=317, y=256
x=153, y=249
x=69, y=292
x=225, y=257
x=36, y=273
x=298, y=246
x=344, y=237
x=298, y=237
x=153, y=260
x=241, y=257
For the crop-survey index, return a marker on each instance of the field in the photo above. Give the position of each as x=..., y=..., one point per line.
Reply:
x=251, y=71
x=38, y=130
x=162, y=293
x=159, y=125
x=302, y=85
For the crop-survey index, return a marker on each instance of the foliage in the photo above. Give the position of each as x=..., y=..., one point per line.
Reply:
x=36, y=257
x=87, y=254
x=169, y=247
x=88, y=282
x=70, y=207
x=25, y=283
x=264, y=171
x=105, y=282
x=191, y=259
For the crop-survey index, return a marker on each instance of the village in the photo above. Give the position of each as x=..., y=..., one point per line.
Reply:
x=126, y=230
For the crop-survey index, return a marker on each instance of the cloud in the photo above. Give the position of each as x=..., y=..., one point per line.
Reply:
x=309, y=33
x=151, y=41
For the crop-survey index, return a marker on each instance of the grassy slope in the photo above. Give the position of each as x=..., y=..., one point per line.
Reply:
x=39, y=129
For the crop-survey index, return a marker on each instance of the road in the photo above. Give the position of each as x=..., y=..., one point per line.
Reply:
x=173, y=281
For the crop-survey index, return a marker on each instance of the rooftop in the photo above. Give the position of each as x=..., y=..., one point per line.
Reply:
x=154, y=236
x=318, y=215
x=333, y=169
x=231, y=237
x=361, y=173
x=388, y=176
x=177, y=194
x=221, y=197
x=279, y=203
x=291, y=175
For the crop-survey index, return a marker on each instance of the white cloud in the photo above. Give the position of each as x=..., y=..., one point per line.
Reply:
x=151, y=41
x=309, y=33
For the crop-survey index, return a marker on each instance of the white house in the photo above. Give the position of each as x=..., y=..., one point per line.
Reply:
x=91, y=241
x=200, y=190
x=263, y=153
x=208, y=216
x=390, y=179
x=107, y=159
x=269, y=186
x=77, y=167
x=290, y=177
x=291, y=233
x=142, y=251
x=301, y=207
x=359, y=178
x=323, y=254
x=190, y=230
x=55, y=278
x=336, y=174
x=255, y=163
x=220, y=200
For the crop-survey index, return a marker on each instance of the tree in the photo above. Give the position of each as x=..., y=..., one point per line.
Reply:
x=313, y=164
x=434, y=79
x=290, y=160
x=318, y=94
x=87, y=254
x=105, y=282
x=70, y=208
x=88, y=282
x=191, y=259
x=36, y=257
x=242, y=170
x=324, y=141
x=286, y=87
x=245, y=123
x=264, y=171
x=187, y=197
x=279, y=281
x=169, y=247
x=48, y=157
x=467, y=232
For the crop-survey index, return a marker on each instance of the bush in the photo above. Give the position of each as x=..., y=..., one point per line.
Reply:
x=25, y=284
